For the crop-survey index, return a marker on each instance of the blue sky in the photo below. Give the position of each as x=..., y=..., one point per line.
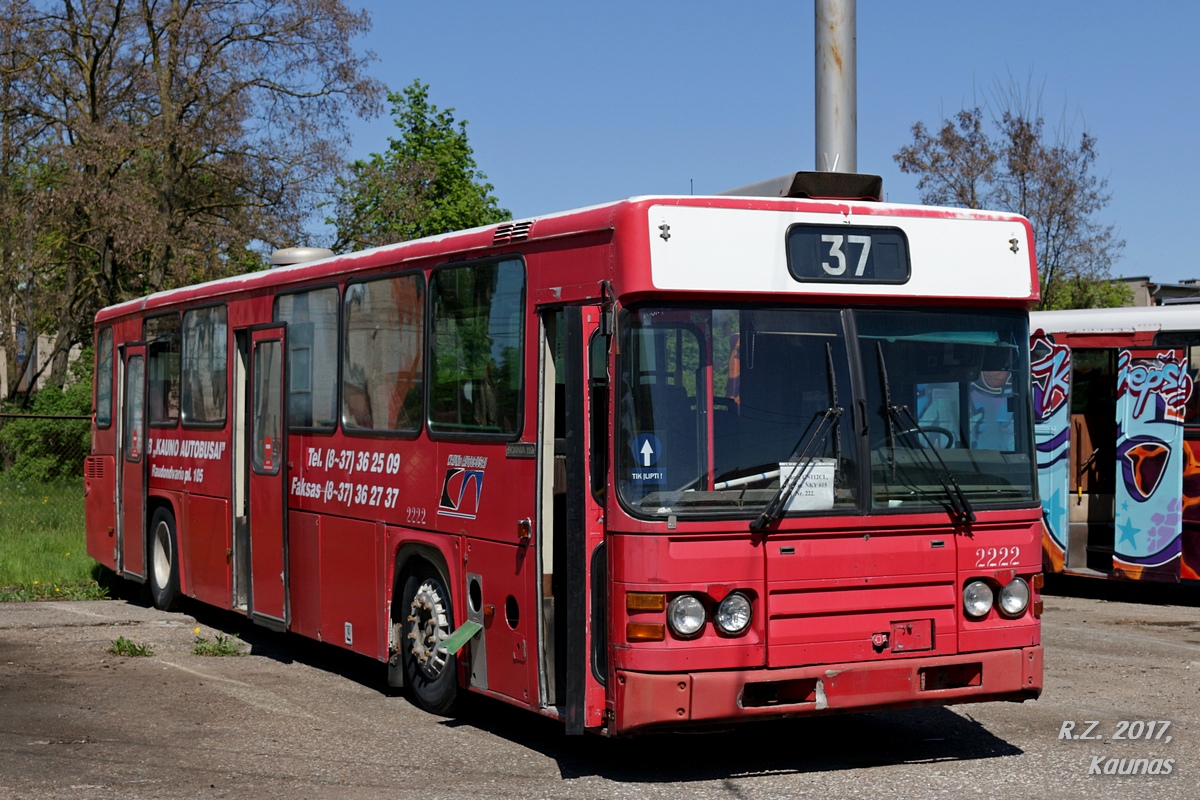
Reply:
x=570, y=104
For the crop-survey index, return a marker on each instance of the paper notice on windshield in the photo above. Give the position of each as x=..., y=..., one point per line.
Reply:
x=815, y=491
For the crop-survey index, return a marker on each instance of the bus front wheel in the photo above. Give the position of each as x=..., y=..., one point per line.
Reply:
x=429, y=670
x=164, y=560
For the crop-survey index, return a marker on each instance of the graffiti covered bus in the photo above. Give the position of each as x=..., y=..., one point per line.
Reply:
x=1118, y=440
x=662, y=462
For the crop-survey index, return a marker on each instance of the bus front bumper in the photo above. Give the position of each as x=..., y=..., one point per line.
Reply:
x=679, y=699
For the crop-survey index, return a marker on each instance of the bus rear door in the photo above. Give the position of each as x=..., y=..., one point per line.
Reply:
x=267, y=478
x=131, y=472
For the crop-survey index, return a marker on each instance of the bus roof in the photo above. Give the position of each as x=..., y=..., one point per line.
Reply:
x=1118, y=320
x=698, y=256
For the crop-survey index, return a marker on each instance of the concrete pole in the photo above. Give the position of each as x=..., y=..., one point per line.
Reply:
x=837, y=86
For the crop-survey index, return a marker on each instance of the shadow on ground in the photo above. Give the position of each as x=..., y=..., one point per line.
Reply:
x=797, y=746
x=1145, y=592
x=794, y=746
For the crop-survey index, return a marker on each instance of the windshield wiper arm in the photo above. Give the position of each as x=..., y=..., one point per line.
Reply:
x=787, y=487
x=960, y=505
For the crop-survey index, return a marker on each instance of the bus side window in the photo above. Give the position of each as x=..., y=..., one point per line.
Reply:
x=205, y=356
x=383, y=362
x=312, y=367
x=104, y=377
x=477, y=333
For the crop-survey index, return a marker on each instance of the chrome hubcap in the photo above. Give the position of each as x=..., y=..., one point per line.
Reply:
x=428, y=626
x=162, y=555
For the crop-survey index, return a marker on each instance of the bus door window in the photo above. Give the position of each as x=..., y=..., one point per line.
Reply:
x=266, y=424
x=162, y=369
x=598, y=409
x=134, y=443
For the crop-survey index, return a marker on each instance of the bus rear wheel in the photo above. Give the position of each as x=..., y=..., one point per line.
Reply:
x=429, y=669
x=164, y=560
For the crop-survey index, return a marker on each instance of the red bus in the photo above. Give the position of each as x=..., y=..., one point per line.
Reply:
x=664, y=462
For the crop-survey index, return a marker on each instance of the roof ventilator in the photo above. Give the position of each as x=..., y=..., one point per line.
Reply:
x=512, y=232
x=298, y=255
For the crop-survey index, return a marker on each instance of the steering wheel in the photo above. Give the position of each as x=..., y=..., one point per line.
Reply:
x=923, y=435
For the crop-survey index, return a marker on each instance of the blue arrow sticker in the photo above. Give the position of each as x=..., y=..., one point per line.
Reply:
x=647, y=449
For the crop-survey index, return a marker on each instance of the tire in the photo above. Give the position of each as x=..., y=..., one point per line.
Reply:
x=164, y=560
x=427, y=617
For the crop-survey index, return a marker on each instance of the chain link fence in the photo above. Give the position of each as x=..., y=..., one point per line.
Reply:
x=43, y=448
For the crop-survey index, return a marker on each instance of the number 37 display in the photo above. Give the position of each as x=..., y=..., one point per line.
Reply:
x=847, y=255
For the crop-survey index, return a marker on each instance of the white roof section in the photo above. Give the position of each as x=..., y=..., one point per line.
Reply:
x=1181, y=317
x=955, y=253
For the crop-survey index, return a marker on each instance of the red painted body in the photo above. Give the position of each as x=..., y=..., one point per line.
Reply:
x=338, y=514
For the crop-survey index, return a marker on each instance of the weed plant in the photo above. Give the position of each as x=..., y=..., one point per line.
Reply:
x=124, y=647
x=219, y=645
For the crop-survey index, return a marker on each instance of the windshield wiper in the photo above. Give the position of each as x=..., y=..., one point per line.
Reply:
x=811, y=446
x=787, y=487
x=960, y=506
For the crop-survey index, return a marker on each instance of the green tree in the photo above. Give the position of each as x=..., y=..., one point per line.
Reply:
x=146, y=145
x=425, y=183
x=1016, y=167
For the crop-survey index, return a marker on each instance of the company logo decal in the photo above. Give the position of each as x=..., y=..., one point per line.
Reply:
x=462, y=488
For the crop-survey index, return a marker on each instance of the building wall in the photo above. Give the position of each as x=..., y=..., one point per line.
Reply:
x=45, y=345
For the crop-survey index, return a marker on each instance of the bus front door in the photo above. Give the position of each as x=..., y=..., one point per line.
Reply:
x=131, y=491
x=573, y=622
x=267, y=495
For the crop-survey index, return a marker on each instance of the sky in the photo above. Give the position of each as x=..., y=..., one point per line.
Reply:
x=570, y=104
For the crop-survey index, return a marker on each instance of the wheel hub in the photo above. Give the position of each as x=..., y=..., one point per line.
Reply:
x=428, y=626
x=162, y=556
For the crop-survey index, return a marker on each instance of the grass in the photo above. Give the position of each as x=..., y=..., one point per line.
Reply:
x=220, y=645
x=43, y=553
x=124, y=647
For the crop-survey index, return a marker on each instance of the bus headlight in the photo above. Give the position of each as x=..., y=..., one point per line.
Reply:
x=733, y=614
x=1014, y=598
x=977, y=599
x=685, y=614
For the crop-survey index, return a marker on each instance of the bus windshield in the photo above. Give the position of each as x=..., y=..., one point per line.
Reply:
x=730, y=411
